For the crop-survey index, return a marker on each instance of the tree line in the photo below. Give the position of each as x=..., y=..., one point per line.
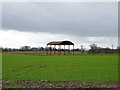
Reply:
x=93, y=49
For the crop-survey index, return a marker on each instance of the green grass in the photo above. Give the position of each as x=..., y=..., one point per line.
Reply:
x=86, y=68
x=0, y=65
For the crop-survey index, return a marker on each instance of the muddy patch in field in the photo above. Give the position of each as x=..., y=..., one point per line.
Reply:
x=42, y=66
x=61, y=84
x=30, y=67
x=22, y=68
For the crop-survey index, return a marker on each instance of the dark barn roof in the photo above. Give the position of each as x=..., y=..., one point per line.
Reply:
x=60, y=43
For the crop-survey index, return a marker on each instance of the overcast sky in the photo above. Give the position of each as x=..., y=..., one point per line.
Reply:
x=36, y=24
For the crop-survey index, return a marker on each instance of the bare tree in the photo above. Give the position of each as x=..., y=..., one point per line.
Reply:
x=94, y=48
x=25, y=48
x=82, y=48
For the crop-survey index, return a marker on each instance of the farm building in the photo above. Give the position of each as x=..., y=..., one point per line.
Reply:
x=59, y=44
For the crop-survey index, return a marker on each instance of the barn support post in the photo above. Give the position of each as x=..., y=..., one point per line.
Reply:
x=50, y=50
x=54, y=50
x=64, y=49
x=69, y=49
x=47, y=49
x=73, y=49
x=59, y=49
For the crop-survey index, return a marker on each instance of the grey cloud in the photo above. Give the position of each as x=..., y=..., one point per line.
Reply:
x=80, y=19
x=1, y=16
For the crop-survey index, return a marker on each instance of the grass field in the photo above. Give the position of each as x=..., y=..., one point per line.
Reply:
x=0, y=65
x=86, y=68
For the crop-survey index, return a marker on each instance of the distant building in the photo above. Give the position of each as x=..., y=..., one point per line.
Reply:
x=59, y=43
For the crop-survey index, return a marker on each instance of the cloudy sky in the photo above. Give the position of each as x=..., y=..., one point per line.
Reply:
x=37, y=23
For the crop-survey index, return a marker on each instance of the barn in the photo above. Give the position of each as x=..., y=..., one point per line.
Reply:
x=53, y=45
